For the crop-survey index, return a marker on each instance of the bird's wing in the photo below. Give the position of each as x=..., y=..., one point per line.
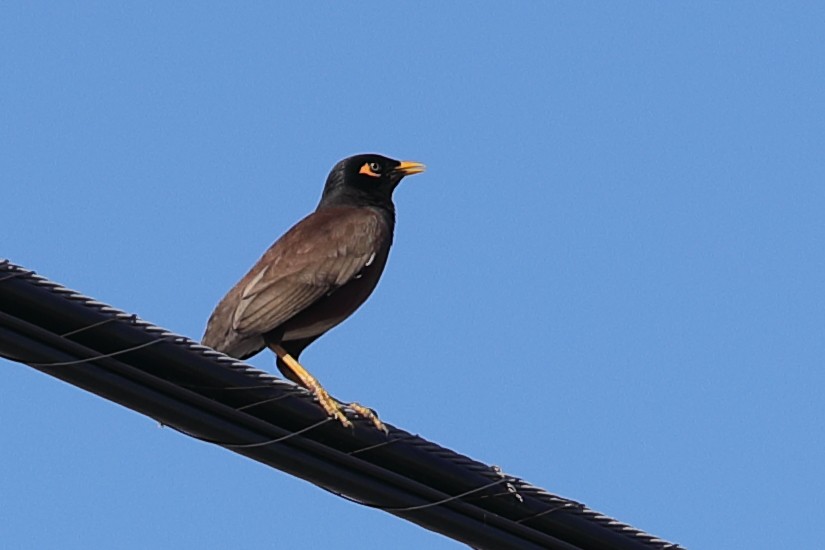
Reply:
x=321, y=253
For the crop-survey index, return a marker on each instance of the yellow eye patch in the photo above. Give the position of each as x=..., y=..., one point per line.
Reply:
x=368, y=169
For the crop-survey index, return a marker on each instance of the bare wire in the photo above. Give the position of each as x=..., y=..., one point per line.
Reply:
x=382, y=444
x=14, y=274
x=269, y=386
x=262, y=402
x=281, y=439
x=550, y=510
x=250, y=445
x=93, y=325
x=420, y=506
x=96, y=357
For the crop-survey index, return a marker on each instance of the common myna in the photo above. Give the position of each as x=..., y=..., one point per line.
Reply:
x=316, y=275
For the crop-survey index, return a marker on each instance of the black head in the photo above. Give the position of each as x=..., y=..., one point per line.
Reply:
x=366, y=180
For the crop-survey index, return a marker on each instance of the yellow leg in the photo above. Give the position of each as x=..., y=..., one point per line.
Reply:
x=329, y=404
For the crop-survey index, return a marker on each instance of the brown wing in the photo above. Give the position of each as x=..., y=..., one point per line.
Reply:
x=319, y=254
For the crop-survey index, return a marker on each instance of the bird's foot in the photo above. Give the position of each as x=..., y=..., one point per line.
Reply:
x=302, y=376
x=333, y=407
x=369, y=415
x=330, y=405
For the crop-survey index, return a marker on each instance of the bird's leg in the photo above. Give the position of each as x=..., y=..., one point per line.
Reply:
x=331, y=405
x=308, y=381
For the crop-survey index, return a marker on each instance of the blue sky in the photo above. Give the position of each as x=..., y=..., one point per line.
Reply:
x=609, y=282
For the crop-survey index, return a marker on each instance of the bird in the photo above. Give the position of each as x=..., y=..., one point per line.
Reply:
x=316, y=274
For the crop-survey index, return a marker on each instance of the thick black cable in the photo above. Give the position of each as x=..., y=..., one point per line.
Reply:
x=309, y=465
x=216, y=399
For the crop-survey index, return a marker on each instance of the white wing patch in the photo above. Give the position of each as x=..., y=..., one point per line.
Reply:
x=249, y=292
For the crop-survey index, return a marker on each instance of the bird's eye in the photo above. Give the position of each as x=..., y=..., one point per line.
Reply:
x=372, y=169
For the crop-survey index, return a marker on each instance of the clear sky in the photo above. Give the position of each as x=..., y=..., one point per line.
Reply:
x=609, y=281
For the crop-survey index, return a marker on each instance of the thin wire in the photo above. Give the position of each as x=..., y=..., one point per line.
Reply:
x=446, y=500
x=279, y=439
x=9, y=358
x=93, y=325
x=96, y=357
x=510, y=492
x=251, y=445
x=256, y=403
x=549, y=511
x=420, y=506
x=382, y=444
x=15, y=274
x=271, y=385
x=227, y=388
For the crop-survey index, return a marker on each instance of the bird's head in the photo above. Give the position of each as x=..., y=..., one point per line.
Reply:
x=366, y=180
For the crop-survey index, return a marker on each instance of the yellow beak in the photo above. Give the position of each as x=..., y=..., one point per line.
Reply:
x=409, y=168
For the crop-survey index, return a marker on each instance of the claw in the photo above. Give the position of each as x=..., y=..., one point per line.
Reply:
x=369, y=415
x=330, y=405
